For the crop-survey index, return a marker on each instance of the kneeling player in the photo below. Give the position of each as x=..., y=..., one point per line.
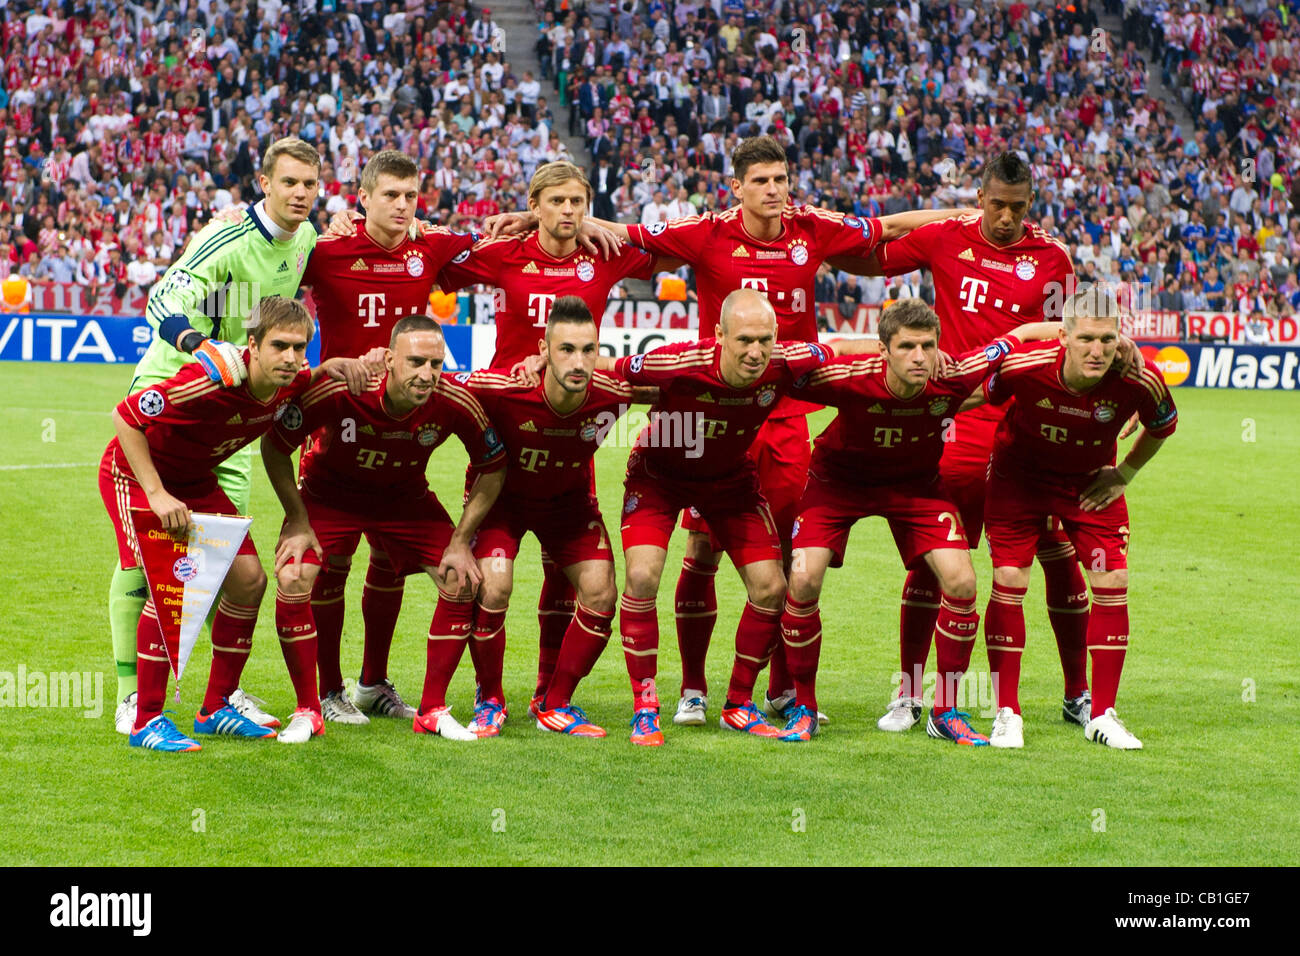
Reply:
x=1053, y=455
x=169, y=438
x=880, y=456
x=551, y=431
x=365, y=474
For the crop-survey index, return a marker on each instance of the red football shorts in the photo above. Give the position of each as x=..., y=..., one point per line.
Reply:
x=569, y=529
x=782, y=453
x=920, y=519
x=738, y=515
x=1018, y=509
x=412, y=533
x=123, y=495
x=964, y=469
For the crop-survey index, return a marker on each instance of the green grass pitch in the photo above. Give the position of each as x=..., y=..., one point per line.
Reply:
x=1210, y=686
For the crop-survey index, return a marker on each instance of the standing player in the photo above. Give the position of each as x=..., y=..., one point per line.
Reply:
x=199, y=307
x=530, y=271
x=365, y=474
x=170, y=438
x=1054, y=455
x=363, y=282
x=551, y=431
x=714, y=397
x=767, y=245
x=992, y=271
x=880, y=456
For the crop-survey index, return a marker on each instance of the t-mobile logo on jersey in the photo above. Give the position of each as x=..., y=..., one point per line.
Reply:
x=975, y=292
x=539, y=308
x=370, y=306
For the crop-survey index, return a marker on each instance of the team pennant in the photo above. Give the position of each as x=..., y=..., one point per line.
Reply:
x=185, y=575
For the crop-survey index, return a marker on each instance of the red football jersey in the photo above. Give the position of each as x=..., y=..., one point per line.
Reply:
x=193, y=424
x=879, y=438
x=1053, y=431
x=530, y=279
x=725, y=257
x=361, y=289
x=701, y=427
x=362, y=456
x=982, y=291
x=550, y=454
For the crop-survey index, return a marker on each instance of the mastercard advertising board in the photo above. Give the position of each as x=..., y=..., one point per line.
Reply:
x=1258, y=367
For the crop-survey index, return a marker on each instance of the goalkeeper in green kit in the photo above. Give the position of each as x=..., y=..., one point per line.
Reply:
x=198, y=310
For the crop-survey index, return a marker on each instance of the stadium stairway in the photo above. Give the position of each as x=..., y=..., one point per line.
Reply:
x=518, y=19
x=1114, y=25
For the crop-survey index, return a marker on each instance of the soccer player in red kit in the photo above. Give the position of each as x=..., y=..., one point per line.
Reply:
x=880, y=456
x=992, y=271
x=365, y=474
x=364, y=277
x=169, y=438
x=767, y=245
x=1054, y=456
x=714, y=397
x=551, y=431
x=530, y=271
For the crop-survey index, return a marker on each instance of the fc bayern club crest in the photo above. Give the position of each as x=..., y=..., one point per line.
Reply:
x=302, y=261
x=799, y=254
x=1025, y=270
x=588, y=431
x=766, y=396
x=586, y=271
x=185, y=569
x=415, y=266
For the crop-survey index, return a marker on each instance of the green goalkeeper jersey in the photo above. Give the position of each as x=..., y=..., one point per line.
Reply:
x=225, y=271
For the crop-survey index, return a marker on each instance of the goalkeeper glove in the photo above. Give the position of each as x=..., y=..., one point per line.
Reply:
x=222, y=361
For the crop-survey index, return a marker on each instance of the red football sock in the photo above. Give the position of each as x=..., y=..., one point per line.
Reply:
x=756, y=636
x=696, y=608
x=297, y=630
x=801, y=632
x=488, y=651
x=153, y=666
x=1107, y=644
x=583, y=643
x=916, y=623
x=1004, y=639
x=954, y=639
x=780, y=679
x=1067, y=608
x=232, y=639
x=555, y=606
x=381, y=605
x=327, y=610
x=449, y=631
x=638, y=622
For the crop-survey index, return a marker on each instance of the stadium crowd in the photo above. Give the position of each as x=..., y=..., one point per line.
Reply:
x=895, y=107
x=126, y=126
